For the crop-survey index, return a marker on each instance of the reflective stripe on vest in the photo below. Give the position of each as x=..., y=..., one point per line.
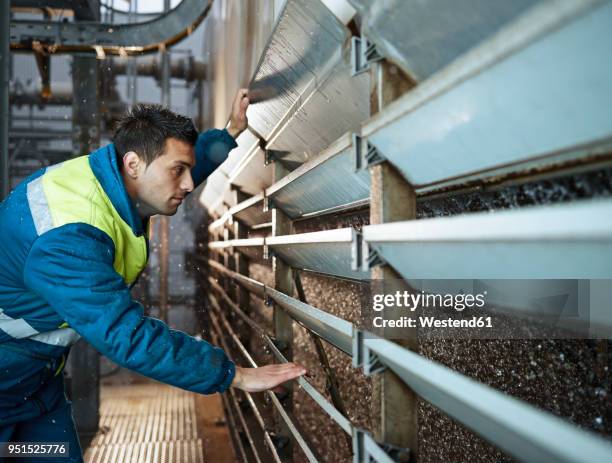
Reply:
x=18, y=328
x=71, y=193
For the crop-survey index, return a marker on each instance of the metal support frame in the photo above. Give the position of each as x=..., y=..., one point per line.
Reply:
x=391, y=199
x=499, y=418
x=363, y=54
x=241, y=261
x=85, y=111
x=283, y=323
x=111, y=39
x=365, y=153
x=84, y=362
x=282, y=410
x=5, y=15
x=365, y=449
x=236, y=441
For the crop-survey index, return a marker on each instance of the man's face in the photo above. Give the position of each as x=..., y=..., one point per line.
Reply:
x=163, y=184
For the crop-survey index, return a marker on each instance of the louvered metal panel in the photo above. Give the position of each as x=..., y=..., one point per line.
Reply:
x=329, y=252
x=423, y=37
x=511, y=104
x=562, y=241
x=326, y=182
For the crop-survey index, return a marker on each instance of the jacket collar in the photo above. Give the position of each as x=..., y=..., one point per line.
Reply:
x=103, y=163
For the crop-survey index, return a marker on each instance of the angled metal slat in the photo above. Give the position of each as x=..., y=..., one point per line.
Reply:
x=505, y=106
x=250, y=247
x=561, y=241
x=328, y=252
x=303, y=95
x=327, y=181
x=423, y=37
x=515, y=426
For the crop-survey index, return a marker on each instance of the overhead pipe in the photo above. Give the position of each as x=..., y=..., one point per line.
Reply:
x=110, y=39
x=182, y=68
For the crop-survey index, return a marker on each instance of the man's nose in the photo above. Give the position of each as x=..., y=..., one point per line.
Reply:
x=187, y=183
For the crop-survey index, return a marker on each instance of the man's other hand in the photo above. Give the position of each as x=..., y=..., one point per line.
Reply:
x=238, y=121
x=267, y=377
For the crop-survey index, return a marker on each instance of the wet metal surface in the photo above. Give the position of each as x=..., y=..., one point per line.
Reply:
x=326, y=181
x=497, y=107
x=304, y=97
x=423, y=37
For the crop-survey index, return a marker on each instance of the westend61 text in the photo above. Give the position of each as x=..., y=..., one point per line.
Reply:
x=432, y=322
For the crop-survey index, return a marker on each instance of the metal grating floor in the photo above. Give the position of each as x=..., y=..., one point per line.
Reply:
x=146, y=423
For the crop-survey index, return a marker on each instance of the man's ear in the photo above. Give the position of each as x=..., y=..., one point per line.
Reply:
x=132, y=164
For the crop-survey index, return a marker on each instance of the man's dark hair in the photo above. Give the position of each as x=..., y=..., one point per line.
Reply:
x=145, y=128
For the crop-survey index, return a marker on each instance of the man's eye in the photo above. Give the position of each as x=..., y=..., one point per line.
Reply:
x=179, y=170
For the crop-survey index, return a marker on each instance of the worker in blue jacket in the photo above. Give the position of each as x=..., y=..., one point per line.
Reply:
x=74, y=240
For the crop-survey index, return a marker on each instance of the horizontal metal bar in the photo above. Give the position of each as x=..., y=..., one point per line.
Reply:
x=371, y=446
x=483, y=136
x=324, y=183
x=332, y=329
x=237, y=243
x=330, y=252
x=518, y=428
x=233, y=428
x=306, y=448
x=112, y=39
x=248, y=320
x=261, y=226
x=262, y=424
x=321, y=401
x=254, y=286
x=247, y=431
x=560, y=241
x=338, y=235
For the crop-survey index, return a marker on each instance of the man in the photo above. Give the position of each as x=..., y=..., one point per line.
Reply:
x=74, y=242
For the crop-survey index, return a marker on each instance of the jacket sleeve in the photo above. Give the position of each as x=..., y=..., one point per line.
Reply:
x=71, y=267
x=211, y=149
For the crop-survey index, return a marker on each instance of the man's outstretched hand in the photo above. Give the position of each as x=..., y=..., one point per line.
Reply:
x=264, y=378
x=238, y=120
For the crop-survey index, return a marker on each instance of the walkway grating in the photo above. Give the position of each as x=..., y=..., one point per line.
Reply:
x=146, y=423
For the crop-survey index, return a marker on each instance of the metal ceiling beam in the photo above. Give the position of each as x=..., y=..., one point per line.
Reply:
x=85, y=9
x=111, y=39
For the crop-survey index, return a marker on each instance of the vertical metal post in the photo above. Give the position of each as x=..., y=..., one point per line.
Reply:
x=241, y=263
x=163, y=220
x=283, y=323
x=392, y=199
x=165, y=61
x=84, y=363
x=5, y=18
x=84, y=390
x=85, y=111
